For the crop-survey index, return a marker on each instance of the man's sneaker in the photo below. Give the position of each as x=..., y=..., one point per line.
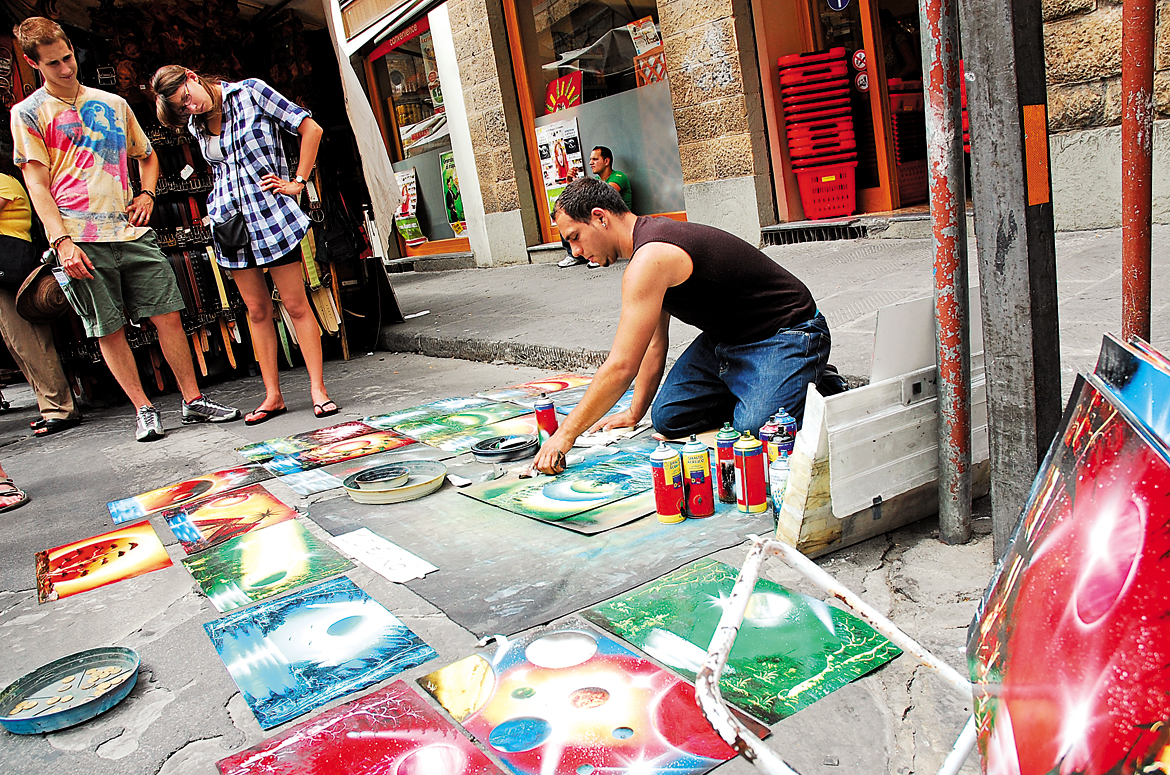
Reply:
x=569, y=261
x=149, y=425
x=203, y=409
x=593, y=265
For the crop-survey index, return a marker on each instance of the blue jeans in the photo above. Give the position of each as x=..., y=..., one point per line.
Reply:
x=746, y=384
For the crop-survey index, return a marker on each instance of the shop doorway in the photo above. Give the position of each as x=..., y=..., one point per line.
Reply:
x=881, y=38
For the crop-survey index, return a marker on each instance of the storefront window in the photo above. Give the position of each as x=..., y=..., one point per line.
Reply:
x=597, y=76
x=407, y=81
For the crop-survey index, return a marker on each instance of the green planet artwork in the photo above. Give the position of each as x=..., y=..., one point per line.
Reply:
x=791, y=650
x=434, y=429
x=263, y=563
x=424, y=412
x=461, y=442
x=601, y=480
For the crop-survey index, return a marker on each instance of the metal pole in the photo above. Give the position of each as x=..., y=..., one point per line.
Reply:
x=1137, y=128
x=948, y=215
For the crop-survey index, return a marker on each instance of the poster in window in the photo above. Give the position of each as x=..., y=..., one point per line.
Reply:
x=451, y=196
x=644, y=34
x=559, y=147
x=427, y=45
x=564, y=92
x=406, y=218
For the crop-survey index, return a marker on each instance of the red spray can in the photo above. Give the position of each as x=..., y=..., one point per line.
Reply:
x=767, y=432
x=666, y=471
x=725, y=462
x=696, y=465
x=751, y=494
x=546, y=418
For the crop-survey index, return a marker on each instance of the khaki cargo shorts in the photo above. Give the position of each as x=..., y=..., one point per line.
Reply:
x=130, y=279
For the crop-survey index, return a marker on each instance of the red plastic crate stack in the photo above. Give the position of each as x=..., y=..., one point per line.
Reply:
x=963, y=102
x=814, y=93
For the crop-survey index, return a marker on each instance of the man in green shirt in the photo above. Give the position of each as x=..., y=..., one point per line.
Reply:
x=601, y=162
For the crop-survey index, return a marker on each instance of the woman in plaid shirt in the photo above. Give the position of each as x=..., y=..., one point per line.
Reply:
x=237, y=126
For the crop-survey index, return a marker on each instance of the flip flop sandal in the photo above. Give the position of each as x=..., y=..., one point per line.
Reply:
x=260, y=415
x=9, y=489
x=320, y=410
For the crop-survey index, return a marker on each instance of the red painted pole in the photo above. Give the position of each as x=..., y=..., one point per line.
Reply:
x=1137, y=157
x=945, y=161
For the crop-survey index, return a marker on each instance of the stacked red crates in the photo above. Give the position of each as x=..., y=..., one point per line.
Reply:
x=814, y=94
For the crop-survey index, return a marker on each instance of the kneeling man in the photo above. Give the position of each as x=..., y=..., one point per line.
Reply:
x=762, y=342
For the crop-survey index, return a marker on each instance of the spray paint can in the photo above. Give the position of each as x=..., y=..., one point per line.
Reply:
x=789, y=424
x=696, y=465
x=546, y=417
x=751, y=494
x=768, y=431
x=666, y=471
x=725, y=462
x=778, y=481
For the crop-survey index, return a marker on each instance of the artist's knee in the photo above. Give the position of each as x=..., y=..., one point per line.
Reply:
x=667, y=419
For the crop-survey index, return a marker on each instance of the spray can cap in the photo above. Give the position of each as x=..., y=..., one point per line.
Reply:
x=726, y=426
x=694, y=437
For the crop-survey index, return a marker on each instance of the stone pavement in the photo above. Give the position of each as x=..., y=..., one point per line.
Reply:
x=186, y=713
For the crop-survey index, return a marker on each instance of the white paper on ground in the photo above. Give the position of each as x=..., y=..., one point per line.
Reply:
x=602, y=438
x=384, y=558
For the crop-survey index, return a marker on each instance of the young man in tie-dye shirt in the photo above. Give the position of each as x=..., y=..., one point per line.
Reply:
x=74, y=145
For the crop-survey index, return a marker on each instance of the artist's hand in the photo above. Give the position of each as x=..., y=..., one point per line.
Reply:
x=139, y=209
x=287, y=187
x=74, y=261
x=624, y=419
x=551, y=457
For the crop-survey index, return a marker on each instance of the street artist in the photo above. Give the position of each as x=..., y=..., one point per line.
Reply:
x=762, y=342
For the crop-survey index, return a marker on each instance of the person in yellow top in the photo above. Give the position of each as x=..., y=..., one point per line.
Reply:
x=31, y=344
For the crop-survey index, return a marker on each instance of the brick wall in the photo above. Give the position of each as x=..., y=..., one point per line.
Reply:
x=1082, y=54
x=705, y=42
x=471, y=30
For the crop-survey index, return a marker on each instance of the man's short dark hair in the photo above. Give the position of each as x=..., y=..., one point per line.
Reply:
x=605, y=152
x=583, y=194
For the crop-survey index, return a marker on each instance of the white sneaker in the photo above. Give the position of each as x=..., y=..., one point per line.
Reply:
x=568, y=261
x=149, y=424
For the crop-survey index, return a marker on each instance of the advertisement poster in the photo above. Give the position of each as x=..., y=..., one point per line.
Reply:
x=644, y=34
x=427, y=45
x=451, y=196
x=561, y=162
x=405, y=218
x=564, y=92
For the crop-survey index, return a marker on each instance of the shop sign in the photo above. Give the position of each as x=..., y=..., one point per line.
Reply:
x=559, y=147
x=452, y=198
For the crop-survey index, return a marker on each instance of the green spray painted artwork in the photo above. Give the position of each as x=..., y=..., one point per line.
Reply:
x=603, y=479
x=791, y=651
x=263, y=563
x=435, y=429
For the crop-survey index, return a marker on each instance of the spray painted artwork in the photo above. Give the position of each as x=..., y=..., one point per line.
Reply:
x=1138, y=376
x=791, y=650
x=94, y=562
x=517, y=426
x=296, y=653
x=186, y=492
x=566, y=701
x=527, y=393
x=581, y=487
x=310, y=482
x=262, y=564
x=359, y=446
x=392, y=731
x=458, y=423
x=210, y=521
x=567, y=401
x=440, y=408
x=1070, y=646
x=263, y=450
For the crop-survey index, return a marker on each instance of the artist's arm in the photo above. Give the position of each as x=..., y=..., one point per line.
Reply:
x=142, y=206
x=653, y=269
x=310, y=132
x=72, y=258
x=646, y=383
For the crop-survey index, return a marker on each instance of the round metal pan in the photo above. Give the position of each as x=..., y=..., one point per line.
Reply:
x=69, y=690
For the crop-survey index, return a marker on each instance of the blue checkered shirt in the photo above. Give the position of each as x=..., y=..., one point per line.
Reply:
x=253, y=114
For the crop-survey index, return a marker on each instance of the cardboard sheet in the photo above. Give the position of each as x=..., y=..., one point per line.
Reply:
x=388, y=560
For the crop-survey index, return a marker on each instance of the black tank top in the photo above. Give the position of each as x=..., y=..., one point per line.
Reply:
x=735, y=293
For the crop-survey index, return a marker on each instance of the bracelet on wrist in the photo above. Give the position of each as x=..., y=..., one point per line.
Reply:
x=57, y=242
x=149, y=194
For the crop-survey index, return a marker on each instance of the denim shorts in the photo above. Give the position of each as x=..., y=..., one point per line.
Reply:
x=130, y=279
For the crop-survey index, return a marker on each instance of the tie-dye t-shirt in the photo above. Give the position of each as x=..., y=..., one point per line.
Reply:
x=86, y=150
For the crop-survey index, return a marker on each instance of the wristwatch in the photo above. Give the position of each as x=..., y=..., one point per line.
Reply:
x=299, y=179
